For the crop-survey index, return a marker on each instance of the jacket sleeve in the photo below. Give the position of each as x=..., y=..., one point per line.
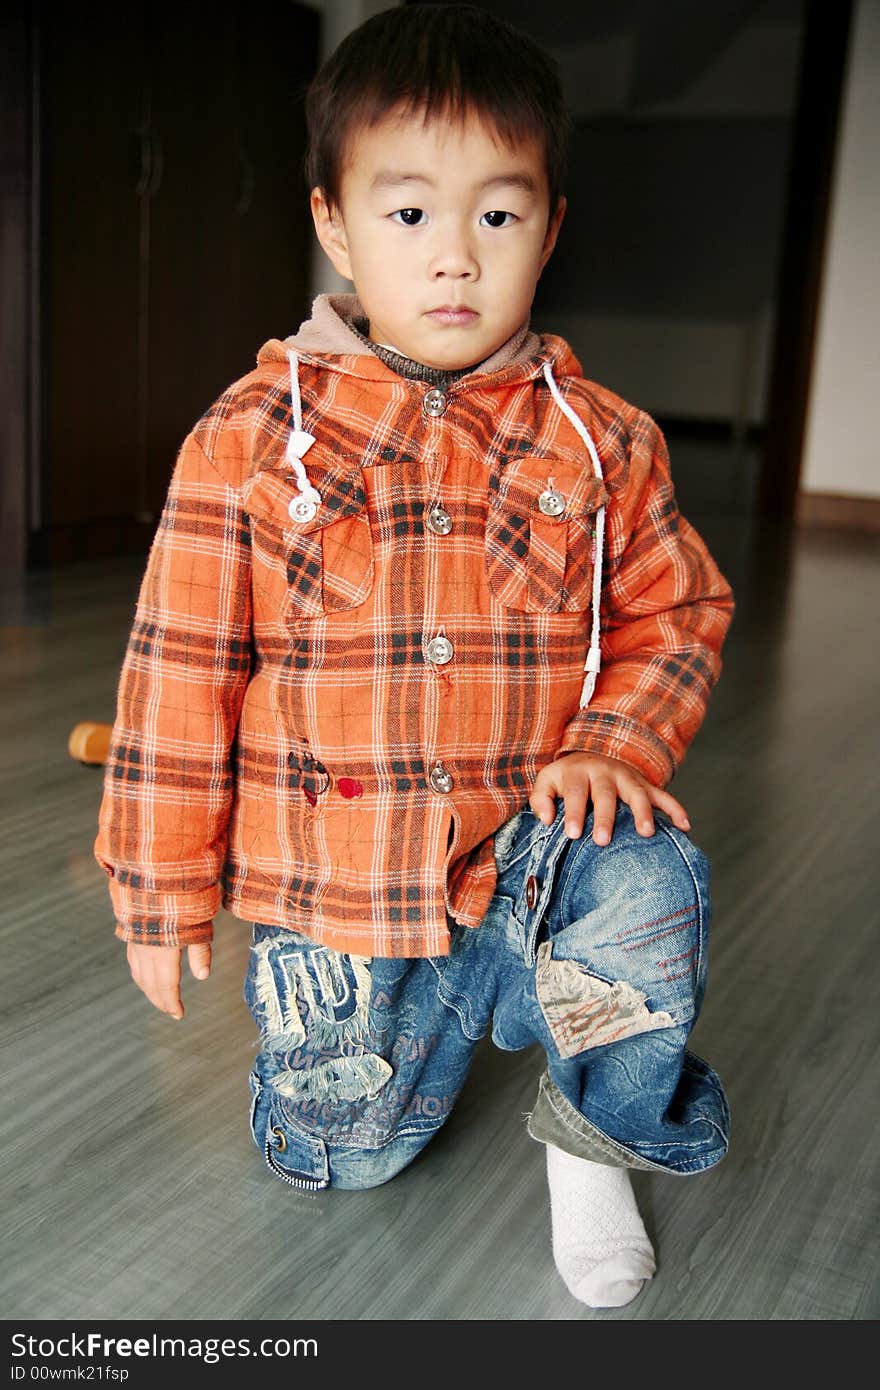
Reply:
x=168, y=782
x=665, y=612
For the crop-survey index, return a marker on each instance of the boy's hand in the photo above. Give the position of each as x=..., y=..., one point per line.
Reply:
x=156, y=970
x=577, y=777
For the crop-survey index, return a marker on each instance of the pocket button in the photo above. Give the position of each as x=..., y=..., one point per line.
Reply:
x=302, y=509
x=551, y=502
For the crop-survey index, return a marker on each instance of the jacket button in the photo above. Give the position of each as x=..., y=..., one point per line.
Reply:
x=441, y=780
x=434, y=402
x=439, y=520
x=440, y=650
x=531, y=891
x=302, y=509
x=551, y=502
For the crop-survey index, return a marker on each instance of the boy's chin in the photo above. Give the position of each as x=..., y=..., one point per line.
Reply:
x=453, y=361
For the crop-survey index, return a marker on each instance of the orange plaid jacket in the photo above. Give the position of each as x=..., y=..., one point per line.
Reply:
x=325, y=713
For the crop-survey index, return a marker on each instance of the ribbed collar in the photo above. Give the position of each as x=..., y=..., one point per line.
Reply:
x=407, y=366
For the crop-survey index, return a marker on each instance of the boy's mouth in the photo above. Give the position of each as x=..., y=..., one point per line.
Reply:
x=453, y=314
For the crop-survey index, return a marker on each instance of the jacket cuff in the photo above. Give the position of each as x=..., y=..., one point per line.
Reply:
x=616, y=736
x=143, y=934
x=164, y=919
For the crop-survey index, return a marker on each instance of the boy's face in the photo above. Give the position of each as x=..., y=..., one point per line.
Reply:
x=436, y=216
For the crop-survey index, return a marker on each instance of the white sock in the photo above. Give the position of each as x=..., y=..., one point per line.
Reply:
x=600, y=1245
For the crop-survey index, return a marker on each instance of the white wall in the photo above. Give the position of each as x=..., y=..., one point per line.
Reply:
x=683, y=368
x=842, y=445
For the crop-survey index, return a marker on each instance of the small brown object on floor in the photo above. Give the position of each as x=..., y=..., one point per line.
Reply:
x=88, y=743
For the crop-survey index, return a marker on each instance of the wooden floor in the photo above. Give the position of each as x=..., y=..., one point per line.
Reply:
x=131, y=1186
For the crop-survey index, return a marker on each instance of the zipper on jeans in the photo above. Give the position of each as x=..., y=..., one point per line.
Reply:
x=299, y=1180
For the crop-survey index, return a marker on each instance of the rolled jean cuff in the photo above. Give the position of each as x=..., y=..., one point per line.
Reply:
x=554, y=1120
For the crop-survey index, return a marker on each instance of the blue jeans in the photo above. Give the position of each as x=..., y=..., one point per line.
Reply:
x=596, y=952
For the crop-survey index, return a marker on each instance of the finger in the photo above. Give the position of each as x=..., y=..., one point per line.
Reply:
x=575, y=794
x=164, y=997
x=640, y=804
x=168, y=1001
x=674, y=809
x=199, y=958
x=604, y=796
x=543, y=798
x=161, y=988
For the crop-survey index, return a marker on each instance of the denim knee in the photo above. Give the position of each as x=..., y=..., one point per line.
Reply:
x=360, y=1061
x=308, y=1162
x=637, y=910
x=619, y=980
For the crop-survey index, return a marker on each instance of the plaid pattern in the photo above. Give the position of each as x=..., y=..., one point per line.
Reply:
x=279, y=716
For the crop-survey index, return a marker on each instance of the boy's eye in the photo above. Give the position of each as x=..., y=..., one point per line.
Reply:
x=410, y=216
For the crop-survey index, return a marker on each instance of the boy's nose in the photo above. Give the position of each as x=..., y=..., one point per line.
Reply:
x=453, y=256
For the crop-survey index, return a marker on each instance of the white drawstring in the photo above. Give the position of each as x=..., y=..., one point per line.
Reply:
x=299, y=441
x=593, y=663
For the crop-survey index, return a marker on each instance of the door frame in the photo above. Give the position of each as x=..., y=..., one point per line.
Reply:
x=827, y=32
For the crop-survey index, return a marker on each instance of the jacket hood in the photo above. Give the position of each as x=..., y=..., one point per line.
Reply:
x=328, y=334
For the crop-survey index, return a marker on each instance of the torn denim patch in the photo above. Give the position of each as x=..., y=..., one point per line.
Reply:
x=582, y=1010
x=329, y=988
x=338, y=1078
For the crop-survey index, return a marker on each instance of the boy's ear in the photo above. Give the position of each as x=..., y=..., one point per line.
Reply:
x=330, y=231
x=552, y=232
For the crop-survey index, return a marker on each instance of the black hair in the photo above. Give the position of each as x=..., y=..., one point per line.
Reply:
x=440, y=60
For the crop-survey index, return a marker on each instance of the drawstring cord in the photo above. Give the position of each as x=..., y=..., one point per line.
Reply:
x=593, y=663
x=298, y=444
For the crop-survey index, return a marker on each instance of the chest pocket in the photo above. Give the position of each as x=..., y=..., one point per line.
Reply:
x=323, y=563
x=539, y=534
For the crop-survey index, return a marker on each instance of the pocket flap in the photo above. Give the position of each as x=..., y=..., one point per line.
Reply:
x=269, y=493
x=520, y=483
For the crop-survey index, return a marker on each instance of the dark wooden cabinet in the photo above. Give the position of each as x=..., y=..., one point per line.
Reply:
x=174, y=237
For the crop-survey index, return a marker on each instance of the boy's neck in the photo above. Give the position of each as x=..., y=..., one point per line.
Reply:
x=406, y=366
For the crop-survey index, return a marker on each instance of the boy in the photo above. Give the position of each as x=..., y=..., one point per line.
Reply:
x=415, y=581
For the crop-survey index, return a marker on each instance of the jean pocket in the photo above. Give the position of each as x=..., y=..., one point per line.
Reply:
x=297, y=1158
